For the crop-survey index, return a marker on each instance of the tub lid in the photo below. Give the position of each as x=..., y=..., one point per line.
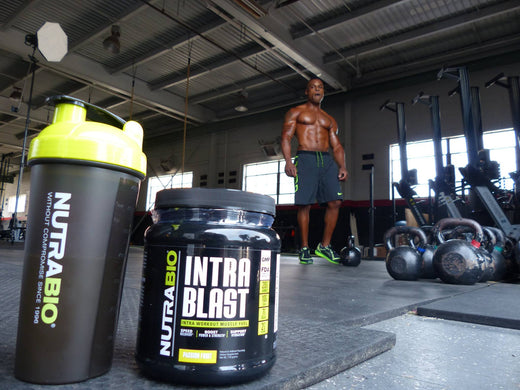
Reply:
x=215, y=198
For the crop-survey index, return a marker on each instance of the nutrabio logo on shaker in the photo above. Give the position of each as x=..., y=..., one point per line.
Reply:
x=54, y=238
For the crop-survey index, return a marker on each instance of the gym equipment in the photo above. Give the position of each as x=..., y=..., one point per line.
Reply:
x=403, y=262
x=485, y=170
x=444, y=189
x=371, y=215
x=462, y=76
x=51, y=42
x=350, y=255
x=488, y=243
x=485, y=249
x=480, y=184
x=496, y=212
x=408, y=177
x=499, y=261
x=427, y=251
x=427, y=270
x=512, y=84
x=516, y=256
x=458, y=261
x=32, y=41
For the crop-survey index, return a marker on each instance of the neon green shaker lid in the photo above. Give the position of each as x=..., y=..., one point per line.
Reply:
x=71, y=136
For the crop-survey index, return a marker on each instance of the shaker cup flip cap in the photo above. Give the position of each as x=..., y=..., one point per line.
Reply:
x=70, y=136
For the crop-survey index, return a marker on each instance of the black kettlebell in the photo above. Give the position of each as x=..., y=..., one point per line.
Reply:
x=350, y=255
x=512, y=260
x=403, y=262
x=427, y=249
x=515, y=255
x=458, y=261
x=488, y=244
x=499, y=259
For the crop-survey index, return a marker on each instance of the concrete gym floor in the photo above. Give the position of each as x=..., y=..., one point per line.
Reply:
x=339, y=328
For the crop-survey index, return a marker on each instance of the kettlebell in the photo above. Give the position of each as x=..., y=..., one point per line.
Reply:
x=488, y=244
x=458, y=261
x=512, y=258
x=516, y=256
x=427, y=250
x=403, y=262
x=350, y=255
x=499, y=259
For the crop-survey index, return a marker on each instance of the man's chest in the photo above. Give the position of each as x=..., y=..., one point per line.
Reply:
x=318, y=120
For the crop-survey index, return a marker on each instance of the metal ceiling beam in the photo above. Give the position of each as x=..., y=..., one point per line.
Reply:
x=204, y=68
x=303, y=31
x=278, y=36
x=13, y=68
x=253, y=82
x=36, y=116
x=146, y=115
x=127, y=99
x=276, y=102
x=13, y=147
x=16, y=128
x=22, y=9
x=160, y=51
x=103, y=31
x=93, y=73
x=239, y=26
x=474, y=52
x=22, y=109
x=433, y=28
x=211, y=41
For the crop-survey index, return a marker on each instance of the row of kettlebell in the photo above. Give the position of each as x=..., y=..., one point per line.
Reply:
x=456, y=250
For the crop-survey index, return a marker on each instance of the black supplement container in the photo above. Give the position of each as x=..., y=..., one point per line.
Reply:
x=209, y=295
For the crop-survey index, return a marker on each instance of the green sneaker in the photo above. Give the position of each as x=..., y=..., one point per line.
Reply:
x=305, y=256
x=327, y=253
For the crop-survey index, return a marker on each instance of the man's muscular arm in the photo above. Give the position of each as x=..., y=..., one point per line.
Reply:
x=337, y=151
x=288, y=131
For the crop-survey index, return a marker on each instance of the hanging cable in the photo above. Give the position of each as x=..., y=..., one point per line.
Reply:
x=186, y=106
x=132, y=92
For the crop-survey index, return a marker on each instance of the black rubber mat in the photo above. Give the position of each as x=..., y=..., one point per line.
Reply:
x=306, y=355
x=322, y=307
x=308, y=352
x=496, y=305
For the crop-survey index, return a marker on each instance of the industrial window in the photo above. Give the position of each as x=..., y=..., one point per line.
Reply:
x=11, y=203
x=501, y=144
x=269, y=178
x=158, y=183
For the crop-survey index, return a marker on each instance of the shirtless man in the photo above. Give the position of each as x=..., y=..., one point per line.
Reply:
x=316, y=176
